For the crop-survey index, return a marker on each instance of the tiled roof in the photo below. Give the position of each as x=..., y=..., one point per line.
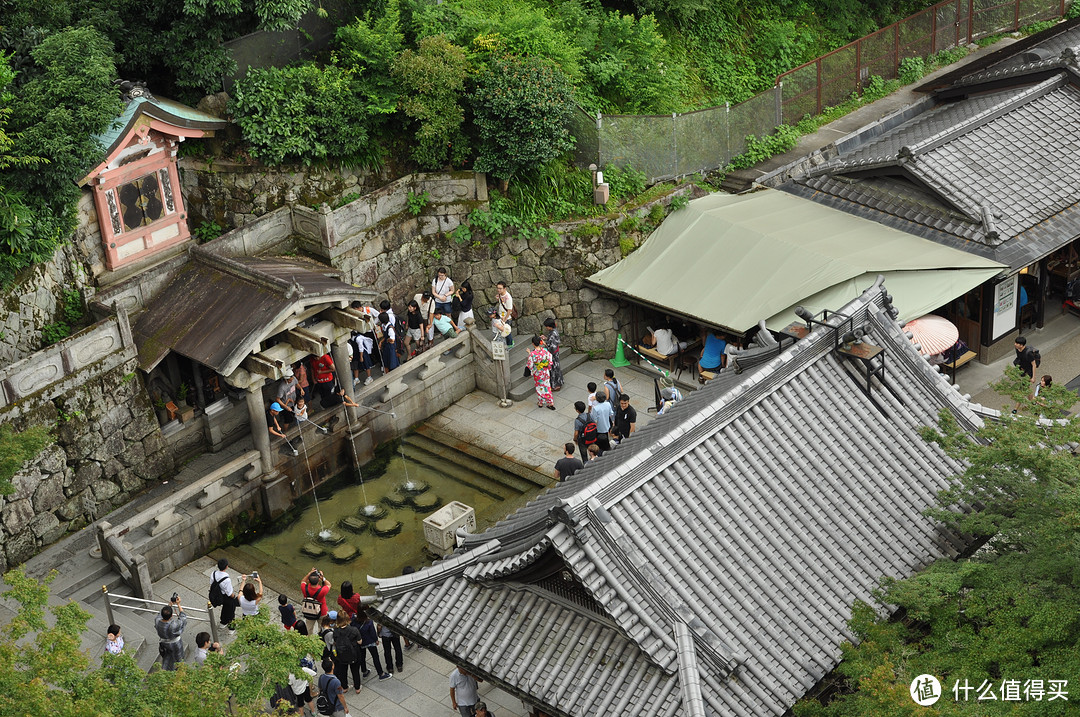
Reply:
x=995, y=172
x=708, y=565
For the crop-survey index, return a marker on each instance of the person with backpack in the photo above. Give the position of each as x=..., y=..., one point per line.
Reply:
x=222, y=594
x=388, y=343
x=346, y=652
x=1028, y=359
x=314, y=588
x=584, y=430
x=331, y=700
x=614, y=388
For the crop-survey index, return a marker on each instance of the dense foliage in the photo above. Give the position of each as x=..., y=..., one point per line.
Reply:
x=1012, y=610
x=522, y=108
x=433, y=83
x=45, y=673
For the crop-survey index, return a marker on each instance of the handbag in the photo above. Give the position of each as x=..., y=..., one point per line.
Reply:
x=514, y=313
x=527, y=373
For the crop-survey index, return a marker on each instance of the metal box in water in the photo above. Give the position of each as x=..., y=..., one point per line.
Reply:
x=440, y=527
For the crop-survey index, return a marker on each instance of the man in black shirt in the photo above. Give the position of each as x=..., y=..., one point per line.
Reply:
x=1026, y=358
x=625, y=419
x=567, y=465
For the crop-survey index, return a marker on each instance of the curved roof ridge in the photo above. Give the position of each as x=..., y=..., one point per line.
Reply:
x=390, y=587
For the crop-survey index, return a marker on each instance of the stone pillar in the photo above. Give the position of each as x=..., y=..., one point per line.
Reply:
x=340, y=353
x=260, y=432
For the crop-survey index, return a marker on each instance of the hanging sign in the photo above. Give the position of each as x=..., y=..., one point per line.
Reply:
x=498, y=349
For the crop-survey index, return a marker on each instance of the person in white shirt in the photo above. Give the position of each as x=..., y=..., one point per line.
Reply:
x=504, y=308
x=442, y=289
x=664, y=340
x=427, y=312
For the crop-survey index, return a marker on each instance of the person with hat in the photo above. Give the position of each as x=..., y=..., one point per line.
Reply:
x=287, y=393
x=273, y=420
x=669, y=395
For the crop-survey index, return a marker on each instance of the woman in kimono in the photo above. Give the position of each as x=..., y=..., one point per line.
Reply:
x=539, y=364
x=551, y=343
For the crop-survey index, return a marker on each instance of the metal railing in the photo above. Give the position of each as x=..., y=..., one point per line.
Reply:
x=109, y=605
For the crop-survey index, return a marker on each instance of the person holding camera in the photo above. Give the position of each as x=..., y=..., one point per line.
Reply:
x=249, y=595
x=314, y=588
x=170, y=624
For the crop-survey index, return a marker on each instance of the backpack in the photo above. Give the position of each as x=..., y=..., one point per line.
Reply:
x=613, y=392
x=217, y=595
x=311, y=608
x=344, y=648
x=589, y=433
x=326, y=702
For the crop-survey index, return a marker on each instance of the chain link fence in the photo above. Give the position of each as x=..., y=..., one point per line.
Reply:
x=670, y=146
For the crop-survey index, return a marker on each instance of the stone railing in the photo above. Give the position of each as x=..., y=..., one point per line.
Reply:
x=51, y=372
x=182, y=525
x=256, y=237
x=133, y=567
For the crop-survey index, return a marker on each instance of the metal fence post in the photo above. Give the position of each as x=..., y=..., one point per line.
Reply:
x=727, y=132
x=971, y=20
x=675, y=142
x=778, y=100
x=108, y=605
x=896, y=49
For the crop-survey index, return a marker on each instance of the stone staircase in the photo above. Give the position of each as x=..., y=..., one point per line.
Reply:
x=521, y=387
x=491, y=474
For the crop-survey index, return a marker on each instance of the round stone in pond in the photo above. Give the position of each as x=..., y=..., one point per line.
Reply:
x=397, y=499
x=331, y=537
x=344, y=553
x=386, y=527
x=413, y=487
x=372, y=512
x=313, y=549
x=426, y=502
x=353, y=524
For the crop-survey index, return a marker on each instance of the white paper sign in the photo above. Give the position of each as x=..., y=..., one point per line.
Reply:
x=498, y=349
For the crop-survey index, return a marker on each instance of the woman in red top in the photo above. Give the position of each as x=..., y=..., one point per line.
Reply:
x=315, y=585
x=348, y=600
x=322, y=371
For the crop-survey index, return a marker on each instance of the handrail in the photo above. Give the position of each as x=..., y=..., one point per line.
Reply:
x=109, y=605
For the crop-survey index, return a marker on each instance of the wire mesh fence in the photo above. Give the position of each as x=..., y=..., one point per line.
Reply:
x=670, y=146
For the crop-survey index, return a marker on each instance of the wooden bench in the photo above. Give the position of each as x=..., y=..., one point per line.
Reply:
x=671, y=359
x=960, y=361
x=706, y=375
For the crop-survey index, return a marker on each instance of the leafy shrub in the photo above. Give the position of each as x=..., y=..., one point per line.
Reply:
x=73, y=310
x=758, y=149
x=626, y=246
x=911, y=70
x=657, y=214
x=624, y=182
x=207, y=231
x=433, y=78
x=17, y=447
x=522, y=108
x=679, y=202
x=461, y=234
x=306, y=113
x=347, y=199
x=53, y=332
x=417, y=202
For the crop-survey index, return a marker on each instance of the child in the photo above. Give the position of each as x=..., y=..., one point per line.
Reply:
x=591, y=385
x=444, y=325
x=300, y=409
x=288, y=612
x=114, y=643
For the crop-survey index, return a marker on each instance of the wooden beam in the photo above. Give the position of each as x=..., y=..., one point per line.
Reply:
x=308, y=342
x=349, y=318
x=263, y=365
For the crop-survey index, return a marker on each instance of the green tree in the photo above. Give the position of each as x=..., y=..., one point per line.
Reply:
x=306, y=113
x=56, y=117
x=1011, y=610
x=522, y=109
x=46, y=673
x=432, y=79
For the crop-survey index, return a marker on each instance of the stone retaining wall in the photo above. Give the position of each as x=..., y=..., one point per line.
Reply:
x=108, y=445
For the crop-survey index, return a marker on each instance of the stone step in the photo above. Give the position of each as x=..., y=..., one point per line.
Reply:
x=84, y=577
x=522, y=387
x=480, y=453
x=470, y=463
x=495, y=489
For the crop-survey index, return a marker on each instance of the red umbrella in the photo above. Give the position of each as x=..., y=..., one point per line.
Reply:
x=933, y=333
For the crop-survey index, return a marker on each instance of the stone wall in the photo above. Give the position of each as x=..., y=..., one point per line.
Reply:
x=36, y=299
x=108, y=445
x=232, y=194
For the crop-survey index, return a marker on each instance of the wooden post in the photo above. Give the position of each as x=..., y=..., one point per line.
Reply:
x=1016, y=14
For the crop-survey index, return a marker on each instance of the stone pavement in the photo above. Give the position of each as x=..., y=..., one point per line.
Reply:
x=534, y=436
x=422, y=689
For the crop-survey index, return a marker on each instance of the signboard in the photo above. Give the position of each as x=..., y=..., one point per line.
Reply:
x=498, y=349
x=1004, y=319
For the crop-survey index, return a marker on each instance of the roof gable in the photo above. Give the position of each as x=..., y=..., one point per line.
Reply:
x=725, y=549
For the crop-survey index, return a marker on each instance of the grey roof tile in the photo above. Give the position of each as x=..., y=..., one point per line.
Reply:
x=723, y=549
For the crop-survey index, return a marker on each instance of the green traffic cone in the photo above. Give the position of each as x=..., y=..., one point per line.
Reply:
x=620, y=355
